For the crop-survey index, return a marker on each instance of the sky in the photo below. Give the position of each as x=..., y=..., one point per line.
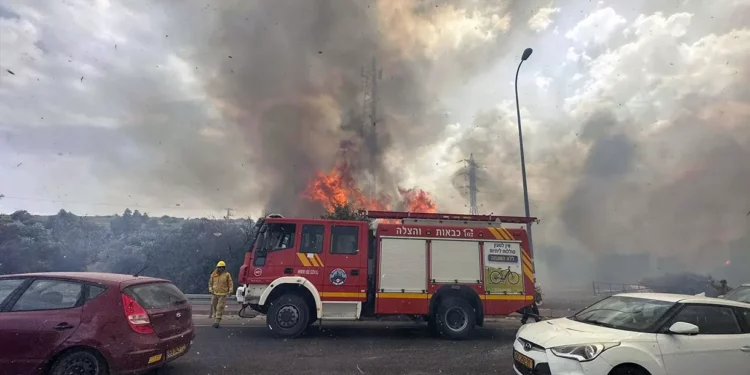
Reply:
x=635, y=113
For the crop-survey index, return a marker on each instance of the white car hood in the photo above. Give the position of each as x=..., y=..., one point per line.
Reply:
x=563, y=331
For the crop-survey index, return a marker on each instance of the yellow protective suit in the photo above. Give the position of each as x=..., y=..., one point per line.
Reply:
x=219, y=285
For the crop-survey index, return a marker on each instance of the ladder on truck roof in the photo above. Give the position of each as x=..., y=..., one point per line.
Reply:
x=451, y=218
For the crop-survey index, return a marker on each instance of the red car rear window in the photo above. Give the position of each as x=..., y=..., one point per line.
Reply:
x=156, y=295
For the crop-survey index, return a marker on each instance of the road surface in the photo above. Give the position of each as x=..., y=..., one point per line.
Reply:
x=244, y=346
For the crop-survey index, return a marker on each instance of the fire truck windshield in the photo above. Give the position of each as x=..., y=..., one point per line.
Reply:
x=260, y=241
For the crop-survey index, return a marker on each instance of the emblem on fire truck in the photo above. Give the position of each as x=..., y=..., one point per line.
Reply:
x=338, y=277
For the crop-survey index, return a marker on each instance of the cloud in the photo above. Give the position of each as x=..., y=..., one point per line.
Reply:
x=543, y=82
x=542, y=19
x=662, y=172
x=656, y=64
x=597, y=27
x=108, y=85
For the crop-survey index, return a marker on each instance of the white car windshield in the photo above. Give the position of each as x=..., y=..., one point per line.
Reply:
x=741, y=293
x=627, y=313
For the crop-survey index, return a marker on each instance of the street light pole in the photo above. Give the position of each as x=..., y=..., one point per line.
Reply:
x=526, y=54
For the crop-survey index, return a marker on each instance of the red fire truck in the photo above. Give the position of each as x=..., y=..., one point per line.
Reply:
x=451, y=270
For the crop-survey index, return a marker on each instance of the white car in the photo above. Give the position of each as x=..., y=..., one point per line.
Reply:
x=640, y=334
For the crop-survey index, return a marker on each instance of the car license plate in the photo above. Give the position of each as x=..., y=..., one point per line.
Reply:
x=176, y=351
x=524, y=360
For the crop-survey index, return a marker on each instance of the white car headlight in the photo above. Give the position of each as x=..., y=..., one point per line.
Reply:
x=582, y=352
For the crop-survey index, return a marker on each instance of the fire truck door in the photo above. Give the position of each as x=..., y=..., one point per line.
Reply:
x=345, y=264
x=309, y=262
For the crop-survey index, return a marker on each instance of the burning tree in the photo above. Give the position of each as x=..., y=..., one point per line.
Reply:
x=343, y=212
x=339, y=194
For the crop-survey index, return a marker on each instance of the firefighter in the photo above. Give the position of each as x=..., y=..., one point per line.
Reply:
x=219, y=285
x=534, y=308
x=722, y=288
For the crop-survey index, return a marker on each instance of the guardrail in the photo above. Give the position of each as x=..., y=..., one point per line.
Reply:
x=205, y=299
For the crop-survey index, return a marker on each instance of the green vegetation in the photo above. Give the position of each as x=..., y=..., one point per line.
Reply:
x=182, y=250
x=344, y=212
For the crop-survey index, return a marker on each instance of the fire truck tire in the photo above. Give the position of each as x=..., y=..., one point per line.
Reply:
x=288, y=316
x=455, y=318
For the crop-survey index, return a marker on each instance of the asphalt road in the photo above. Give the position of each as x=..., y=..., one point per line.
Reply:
x=244, y=346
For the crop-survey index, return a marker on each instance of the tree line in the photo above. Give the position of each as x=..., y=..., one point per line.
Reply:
x=186, y=250
x=182, y=250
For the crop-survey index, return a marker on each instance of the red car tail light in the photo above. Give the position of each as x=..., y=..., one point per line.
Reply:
x=136, y=315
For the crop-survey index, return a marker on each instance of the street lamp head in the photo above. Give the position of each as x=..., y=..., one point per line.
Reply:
x=526, y=53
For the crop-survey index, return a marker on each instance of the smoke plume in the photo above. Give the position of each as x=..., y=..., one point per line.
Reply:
x=653, y=164
x=289, y=75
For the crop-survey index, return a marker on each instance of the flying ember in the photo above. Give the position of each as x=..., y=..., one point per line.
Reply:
x=338, y=188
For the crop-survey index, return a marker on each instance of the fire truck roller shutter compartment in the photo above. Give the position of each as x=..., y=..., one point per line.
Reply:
x=403, y=265
x=455, y=261
x=503, y=272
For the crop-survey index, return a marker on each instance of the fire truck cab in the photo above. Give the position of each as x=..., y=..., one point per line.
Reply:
x=451, y=270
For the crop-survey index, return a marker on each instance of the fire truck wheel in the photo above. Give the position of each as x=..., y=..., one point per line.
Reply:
x=288, y=316
x=456, y=318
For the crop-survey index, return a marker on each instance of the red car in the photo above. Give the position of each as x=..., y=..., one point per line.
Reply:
x=90, y=323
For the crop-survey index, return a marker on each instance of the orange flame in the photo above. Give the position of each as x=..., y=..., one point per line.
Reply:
x=417, y=200
x=338, y=188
